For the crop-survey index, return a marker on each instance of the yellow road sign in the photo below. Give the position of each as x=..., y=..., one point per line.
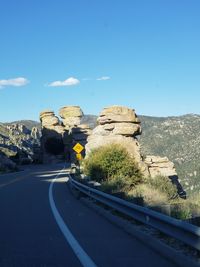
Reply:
x=79, y=156
x=78, y=148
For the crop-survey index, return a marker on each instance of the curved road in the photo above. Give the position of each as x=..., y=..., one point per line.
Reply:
x=31, y=237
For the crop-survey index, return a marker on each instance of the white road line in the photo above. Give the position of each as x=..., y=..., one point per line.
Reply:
x=80, y=253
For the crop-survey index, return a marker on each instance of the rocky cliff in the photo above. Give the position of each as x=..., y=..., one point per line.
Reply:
x=18, y=145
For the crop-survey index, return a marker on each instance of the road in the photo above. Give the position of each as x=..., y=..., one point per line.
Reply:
x=30, y=235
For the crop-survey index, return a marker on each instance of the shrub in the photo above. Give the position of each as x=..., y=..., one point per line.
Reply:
x=164, y=185
x=112, y=166
x=184, y=209
x=155, y=191
x=181, y=211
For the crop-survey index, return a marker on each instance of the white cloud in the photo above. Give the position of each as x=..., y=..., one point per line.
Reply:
x=68, y=82
x=14, y=82
x=104, y=78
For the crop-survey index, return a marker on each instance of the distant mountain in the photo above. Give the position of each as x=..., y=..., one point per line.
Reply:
x=28, y=123
x=91, y=120
x=178, y=138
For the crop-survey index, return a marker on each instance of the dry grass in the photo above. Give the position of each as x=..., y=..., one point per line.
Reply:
x=191, y=206
x=151, y=196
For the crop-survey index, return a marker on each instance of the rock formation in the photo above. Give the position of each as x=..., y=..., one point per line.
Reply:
x=63, y=133
x=17, y=129
x=116, y=124
x=81, y=133
x=35, y=133
x=160, y=166
x=71, y=116
x=121, y=125
x=51, y=141
x=18, y=145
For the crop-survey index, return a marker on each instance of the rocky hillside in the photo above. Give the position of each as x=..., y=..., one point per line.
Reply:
x=178, y=138
x=18, y=143
x=29, y=124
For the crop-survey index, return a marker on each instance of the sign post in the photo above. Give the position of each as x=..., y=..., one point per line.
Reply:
x=78, y=148
x=79, y=156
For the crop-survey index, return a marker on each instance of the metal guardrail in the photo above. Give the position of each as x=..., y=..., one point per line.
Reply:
x=180, y=230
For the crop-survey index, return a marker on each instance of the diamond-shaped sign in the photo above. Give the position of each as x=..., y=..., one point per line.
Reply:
x=78, y=148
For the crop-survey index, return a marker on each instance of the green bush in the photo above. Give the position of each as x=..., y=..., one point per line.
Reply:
x=113, y=167
x=164, y=185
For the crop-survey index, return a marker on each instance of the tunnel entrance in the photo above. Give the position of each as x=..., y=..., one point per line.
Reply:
x=54, y=146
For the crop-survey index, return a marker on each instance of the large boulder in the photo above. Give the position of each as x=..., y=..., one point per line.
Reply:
x=70, y=111
x=71, y=122
x=48, y=119
x=160, y=166
x=71, y=115
x=123, y=128
x=117, y=114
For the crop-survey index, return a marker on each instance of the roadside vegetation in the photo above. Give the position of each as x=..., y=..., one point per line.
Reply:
x=118, y=174
x=113, y=167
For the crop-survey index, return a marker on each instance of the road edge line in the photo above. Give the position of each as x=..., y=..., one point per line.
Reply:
x=83, y=257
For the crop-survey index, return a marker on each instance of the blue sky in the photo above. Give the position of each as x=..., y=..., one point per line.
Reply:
x=144, y=54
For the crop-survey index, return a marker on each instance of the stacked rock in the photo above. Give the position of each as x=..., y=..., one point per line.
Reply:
x=77, y=132
x=52, y=137
x=119, y=125
x=160, y=166
x=50, y=121
x=71, y=116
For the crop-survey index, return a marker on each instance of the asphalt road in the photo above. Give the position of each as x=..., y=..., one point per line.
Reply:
x=30, y=235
